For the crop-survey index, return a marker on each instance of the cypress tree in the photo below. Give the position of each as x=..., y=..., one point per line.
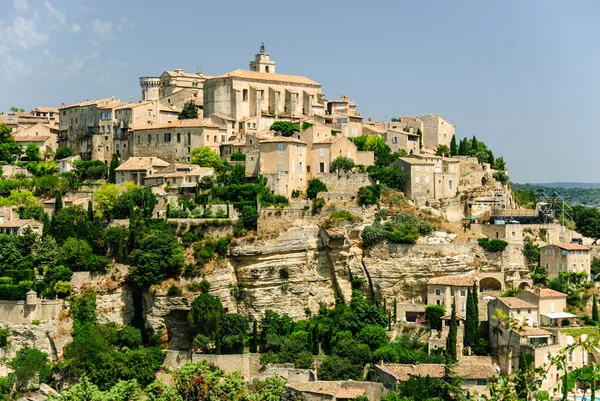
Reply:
x=327, y=340
x=389, y=321
x=46, y=227
x=254, y=343
x=112, y=175
x=58, y=202
x=468, y=336
x=90, y=211
x=476, y=328
x=420, y=138
x=309, y=339
x=315, y=339
x=384, y=305
x=595, y=316
x=395, y=311
x=452, y=335
x=453, y=147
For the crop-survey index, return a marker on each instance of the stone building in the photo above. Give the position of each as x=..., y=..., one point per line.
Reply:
x=399, y=140
x=135, y=169
x=429, y=177
x=174, y=142
x=260, y=93
x=66, y=165
x=178, y=175
x=565, y=257
x=283, y=161
x=434, y=128
x=443, y=290
x=174, y=88
x=42, y=135
x=333, y=390
x=551, y=305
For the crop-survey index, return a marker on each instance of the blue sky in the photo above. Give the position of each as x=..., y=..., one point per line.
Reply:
x=520, y=75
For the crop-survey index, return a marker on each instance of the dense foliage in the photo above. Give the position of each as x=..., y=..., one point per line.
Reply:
x=402, y=228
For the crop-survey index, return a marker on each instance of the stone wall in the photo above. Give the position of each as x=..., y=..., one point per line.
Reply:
x=345, y=183
x=247, y=364
x=18, y=312
x=212, y=226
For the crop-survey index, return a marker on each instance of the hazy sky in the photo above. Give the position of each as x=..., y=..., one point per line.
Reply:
x=523, y=76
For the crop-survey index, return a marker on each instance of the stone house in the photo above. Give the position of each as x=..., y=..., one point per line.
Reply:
x=260, y=93
x=66, y=165
x=12, y=224
x=445, y=289
x=178, y=175
x=174, y=142
x=437, y=341
x=283, y=161
x=429, y=177
x=401, y=140
x=436, y=131
x=235, y=144
x=551, y=305
x=334, y=390
x=476, y=376
x=42, y=135
x=135, y=169
x=565, y=257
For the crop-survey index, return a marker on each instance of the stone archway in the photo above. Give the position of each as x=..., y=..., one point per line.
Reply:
x=490, y=284
x=484, y=181
x=524, y=286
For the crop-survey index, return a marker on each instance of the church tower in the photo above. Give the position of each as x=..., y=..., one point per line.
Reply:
x=262, y=63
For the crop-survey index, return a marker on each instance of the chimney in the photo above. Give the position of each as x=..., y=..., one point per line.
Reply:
x=538, y=292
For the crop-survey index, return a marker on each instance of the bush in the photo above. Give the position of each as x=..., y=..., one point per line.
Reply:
x=341, y=164
x=11, y=292
x=173, y=291
x=494, y=245
x=501, y=177
x=4, y=334
x=62, y=289
x=404, y=234
x=317, y=205
x=130, y=337
x=314, y=187
x=341, y=215
x=249, y=217
x=238, y=157
x=424, y=227
x=284, y=128
x=373, y=234
x=433, y=316
x=369, y=195
x=284, y=273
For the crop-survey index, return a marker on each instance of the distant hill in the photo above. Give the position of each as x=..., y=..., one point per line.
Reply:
x=586, y=185
x=587, y=194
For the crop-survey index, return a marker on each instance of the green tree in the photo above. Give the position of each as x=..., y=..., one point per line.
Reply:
x=254, y=342
x=341, y=164
x=373, y=335
x=114, y=163
x=233, y=329
x=27, y=364
x=284, y=128
x=58, y=203
x=595, y=316
x=64, y=152
x=314, y=187
x=433, y=316
x=75, y=254
x=189, y=111
x=442, y=150
x=206, y=157
x=499, y=164
x=420, y=134
x=32, y=151
x=15, y=109
x=453, y=146
x=205, y=315
x=452, y=336
x=249, y=217
x=469, y=336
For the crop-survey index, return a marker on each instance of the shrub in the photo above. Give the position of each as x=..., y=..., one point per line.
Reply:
x=341, y=164
x=5, y=280
x=317, y=205
x=369, y=195
x=314, y=187
x=501, y=177
x=494, y=245
x=433, y=316
x=4, y=334
x=238, y=157
x=249, y=217
x=341, y=215
x=284, y=273
x=284, y=128
x=173, y=291
x=424, y=227
x=62, y=289
x=373, y=234
x=130, y=337
x=404, y=234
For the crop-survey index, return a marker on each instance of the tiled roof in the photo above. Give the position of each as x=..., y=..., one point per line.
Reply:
x=188, y=123
x=403, y=372
x=46, y=109
x=141, y=163
x=264, y=76
x=527, y=331
x=319, y=387
x=280, y=139
x=349, y=393
x=412, y=160
x=329, y=139
x=569, y=247
x=19, y=223
x=223, y=117
x=516, y=303
x=547, y=293
x=463, y=280
x=90, y=102
x=31, y=138
x=184, y=74
x=177, y=170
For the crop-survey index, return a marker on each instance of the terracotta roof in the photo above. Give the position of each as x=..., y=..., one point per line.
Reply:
x=528, y=331
x=31, y=138
x=188, y=123
x=319, y=387
x=178, y=170
x=279, y=139
x=569, y=247
x=131, y=105
x=547, y=293
x=90, y=102
x=516, y=303
x=19, y=223
x=264, y=76
x=463, y=280
x=403, y=372
x=69, y=158
x=184, y=74
x=412, y=160
x=349, y=393
x=223, y=117
x=141, y=163
x=329, y=139
x=46, y=109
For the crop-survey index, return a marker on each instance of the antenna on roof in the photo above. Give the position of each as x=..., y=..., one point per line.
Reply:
x=199, y=67
x=262, y=48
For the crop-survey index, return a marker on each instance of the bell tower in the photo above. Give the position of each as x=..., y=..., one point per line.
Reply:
x=262, y=63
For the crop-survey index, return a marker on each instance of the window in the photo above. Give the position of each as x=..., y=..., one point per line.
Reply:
x=321, y=152
x=438, y=292
x=300, y=167
x=150, y=112
x=308, y=169
x=560, y=266
x=280, y=168
x=349, y=155
x=549, y=252
x=471, y=382
x=293, y=167
x=300, y=149
x=481, y=382
x=518, y=311
x=178, y=137
x=102, y=128
x=139, y=139
x=354, y=131
x=215, y=139
x=463, y=306
x=208, y=138
x=167, y=137
x=427, y=169
x=529, y=311
x=427, y=180
x=449, y=184
x=463, y=293
x=417, y=168
x=280, y=147
x=157, y=138
x=293, y=147
x=149, y=138
x=245, y=95
x=321, y=167
x=437, y=302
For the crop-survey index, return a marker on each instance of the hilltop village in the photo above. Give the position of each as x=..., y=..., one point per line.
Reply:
x=250, y=231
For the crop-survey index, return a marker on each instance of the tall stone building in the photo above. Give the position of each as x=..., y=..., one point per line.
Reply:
x=260, y=96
